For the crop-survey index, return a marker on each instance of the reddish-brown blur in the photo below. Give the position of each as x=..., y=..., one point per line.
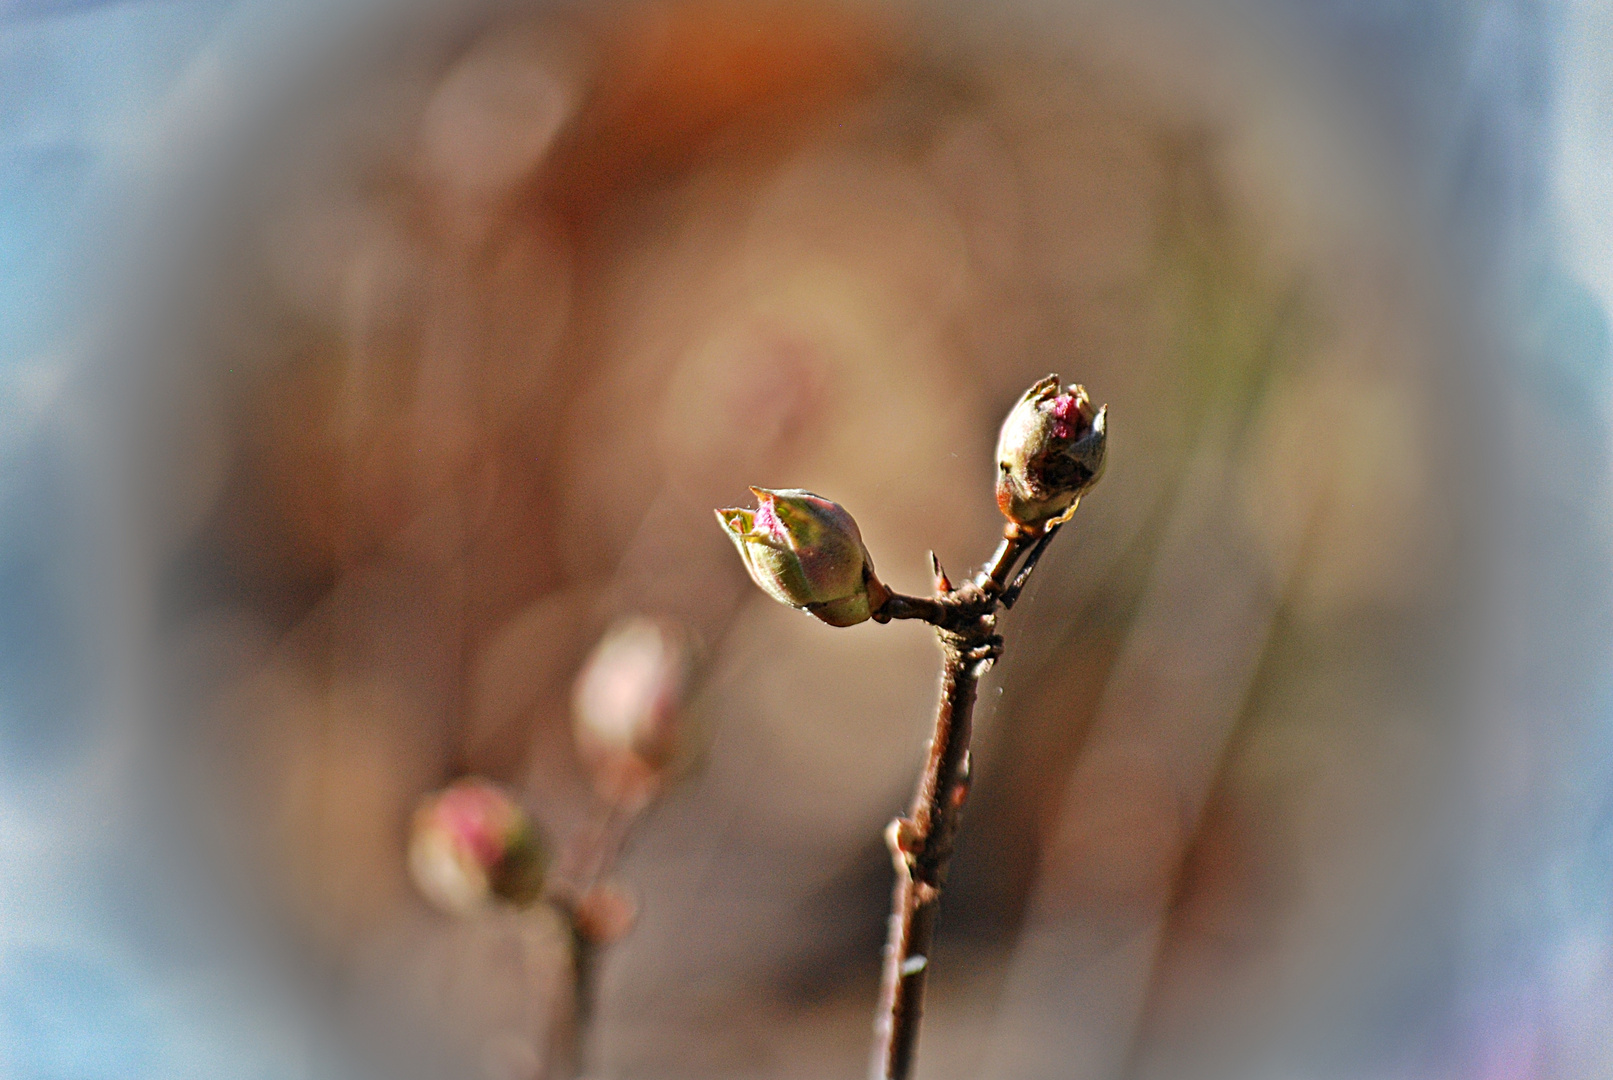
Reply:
x=501, y=326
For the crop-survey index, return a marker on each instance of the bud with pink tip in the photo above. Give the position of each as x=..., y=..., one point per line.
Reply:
x=627, y=703
x=1049, y=452
x=471, y=842
x=807, y=552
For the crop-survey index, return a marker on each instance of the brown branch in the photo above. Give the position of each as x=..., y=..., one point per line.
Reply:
x=1050, y=450
x=995, y=574
x=921, y=847
x=921, y=844
x=900, y=606
x=567, y=1043
x=960, y=610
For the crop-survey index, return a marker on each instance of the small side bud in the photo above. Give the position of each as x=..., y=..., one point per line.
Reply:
x=471, y=843
x=605, y=913
x=627, y=705
x=1049, y=452
x=807, y=552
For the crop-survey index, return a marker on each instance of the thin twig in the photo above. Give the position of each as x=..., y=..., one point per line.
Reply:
x=1011, y=595
x=568, y=1047
x=921, y=847
x=901, y=606
x=921, y=844
x=958, y=610
x=995, y=574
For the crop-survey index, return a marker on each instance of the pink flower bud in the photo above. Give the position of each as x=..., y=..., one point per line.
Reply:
x=1050, y=451
x=806, y=551
x=471, y=842
x=627, y=699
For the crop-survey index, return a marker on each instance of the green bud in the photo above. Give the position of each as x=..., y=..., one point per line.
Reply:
x=1049, y=452
x=807, y=552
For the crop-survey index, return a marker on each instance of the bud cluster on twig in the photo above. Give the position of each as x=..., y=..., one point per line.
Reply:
x=806, y=551
x=473, y=845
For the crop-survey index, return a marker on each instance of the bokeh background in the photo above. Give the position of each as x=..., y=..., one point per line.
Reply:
x=365, y=362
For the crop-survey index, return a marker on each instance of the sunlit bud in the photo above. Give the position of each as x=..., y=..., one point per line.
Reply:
x=806, y=551
x=471, y=842
x=628, y=699
x=1049, y=453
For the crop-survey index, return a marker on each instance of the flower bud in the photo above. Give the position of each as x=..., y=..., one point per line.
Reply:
x=806, y=551
x=471, y=842
x=1050, y=451
x=627, y=701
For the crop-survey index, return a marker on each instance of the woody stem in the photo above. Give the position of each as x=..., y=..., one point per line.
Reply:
x=921, y=848
x=921, y=843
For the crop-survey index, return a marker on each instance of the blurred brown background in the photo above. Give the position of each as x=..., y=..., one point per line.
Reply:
x=502, y=318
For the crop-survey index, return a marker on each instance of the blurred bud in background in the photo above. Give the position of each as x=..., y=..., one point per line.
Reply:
x=630, y=707
x=471, y=843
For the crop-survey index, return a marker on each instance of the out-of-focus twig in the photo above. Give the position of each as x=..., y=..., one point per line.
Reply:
x=576, y=891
